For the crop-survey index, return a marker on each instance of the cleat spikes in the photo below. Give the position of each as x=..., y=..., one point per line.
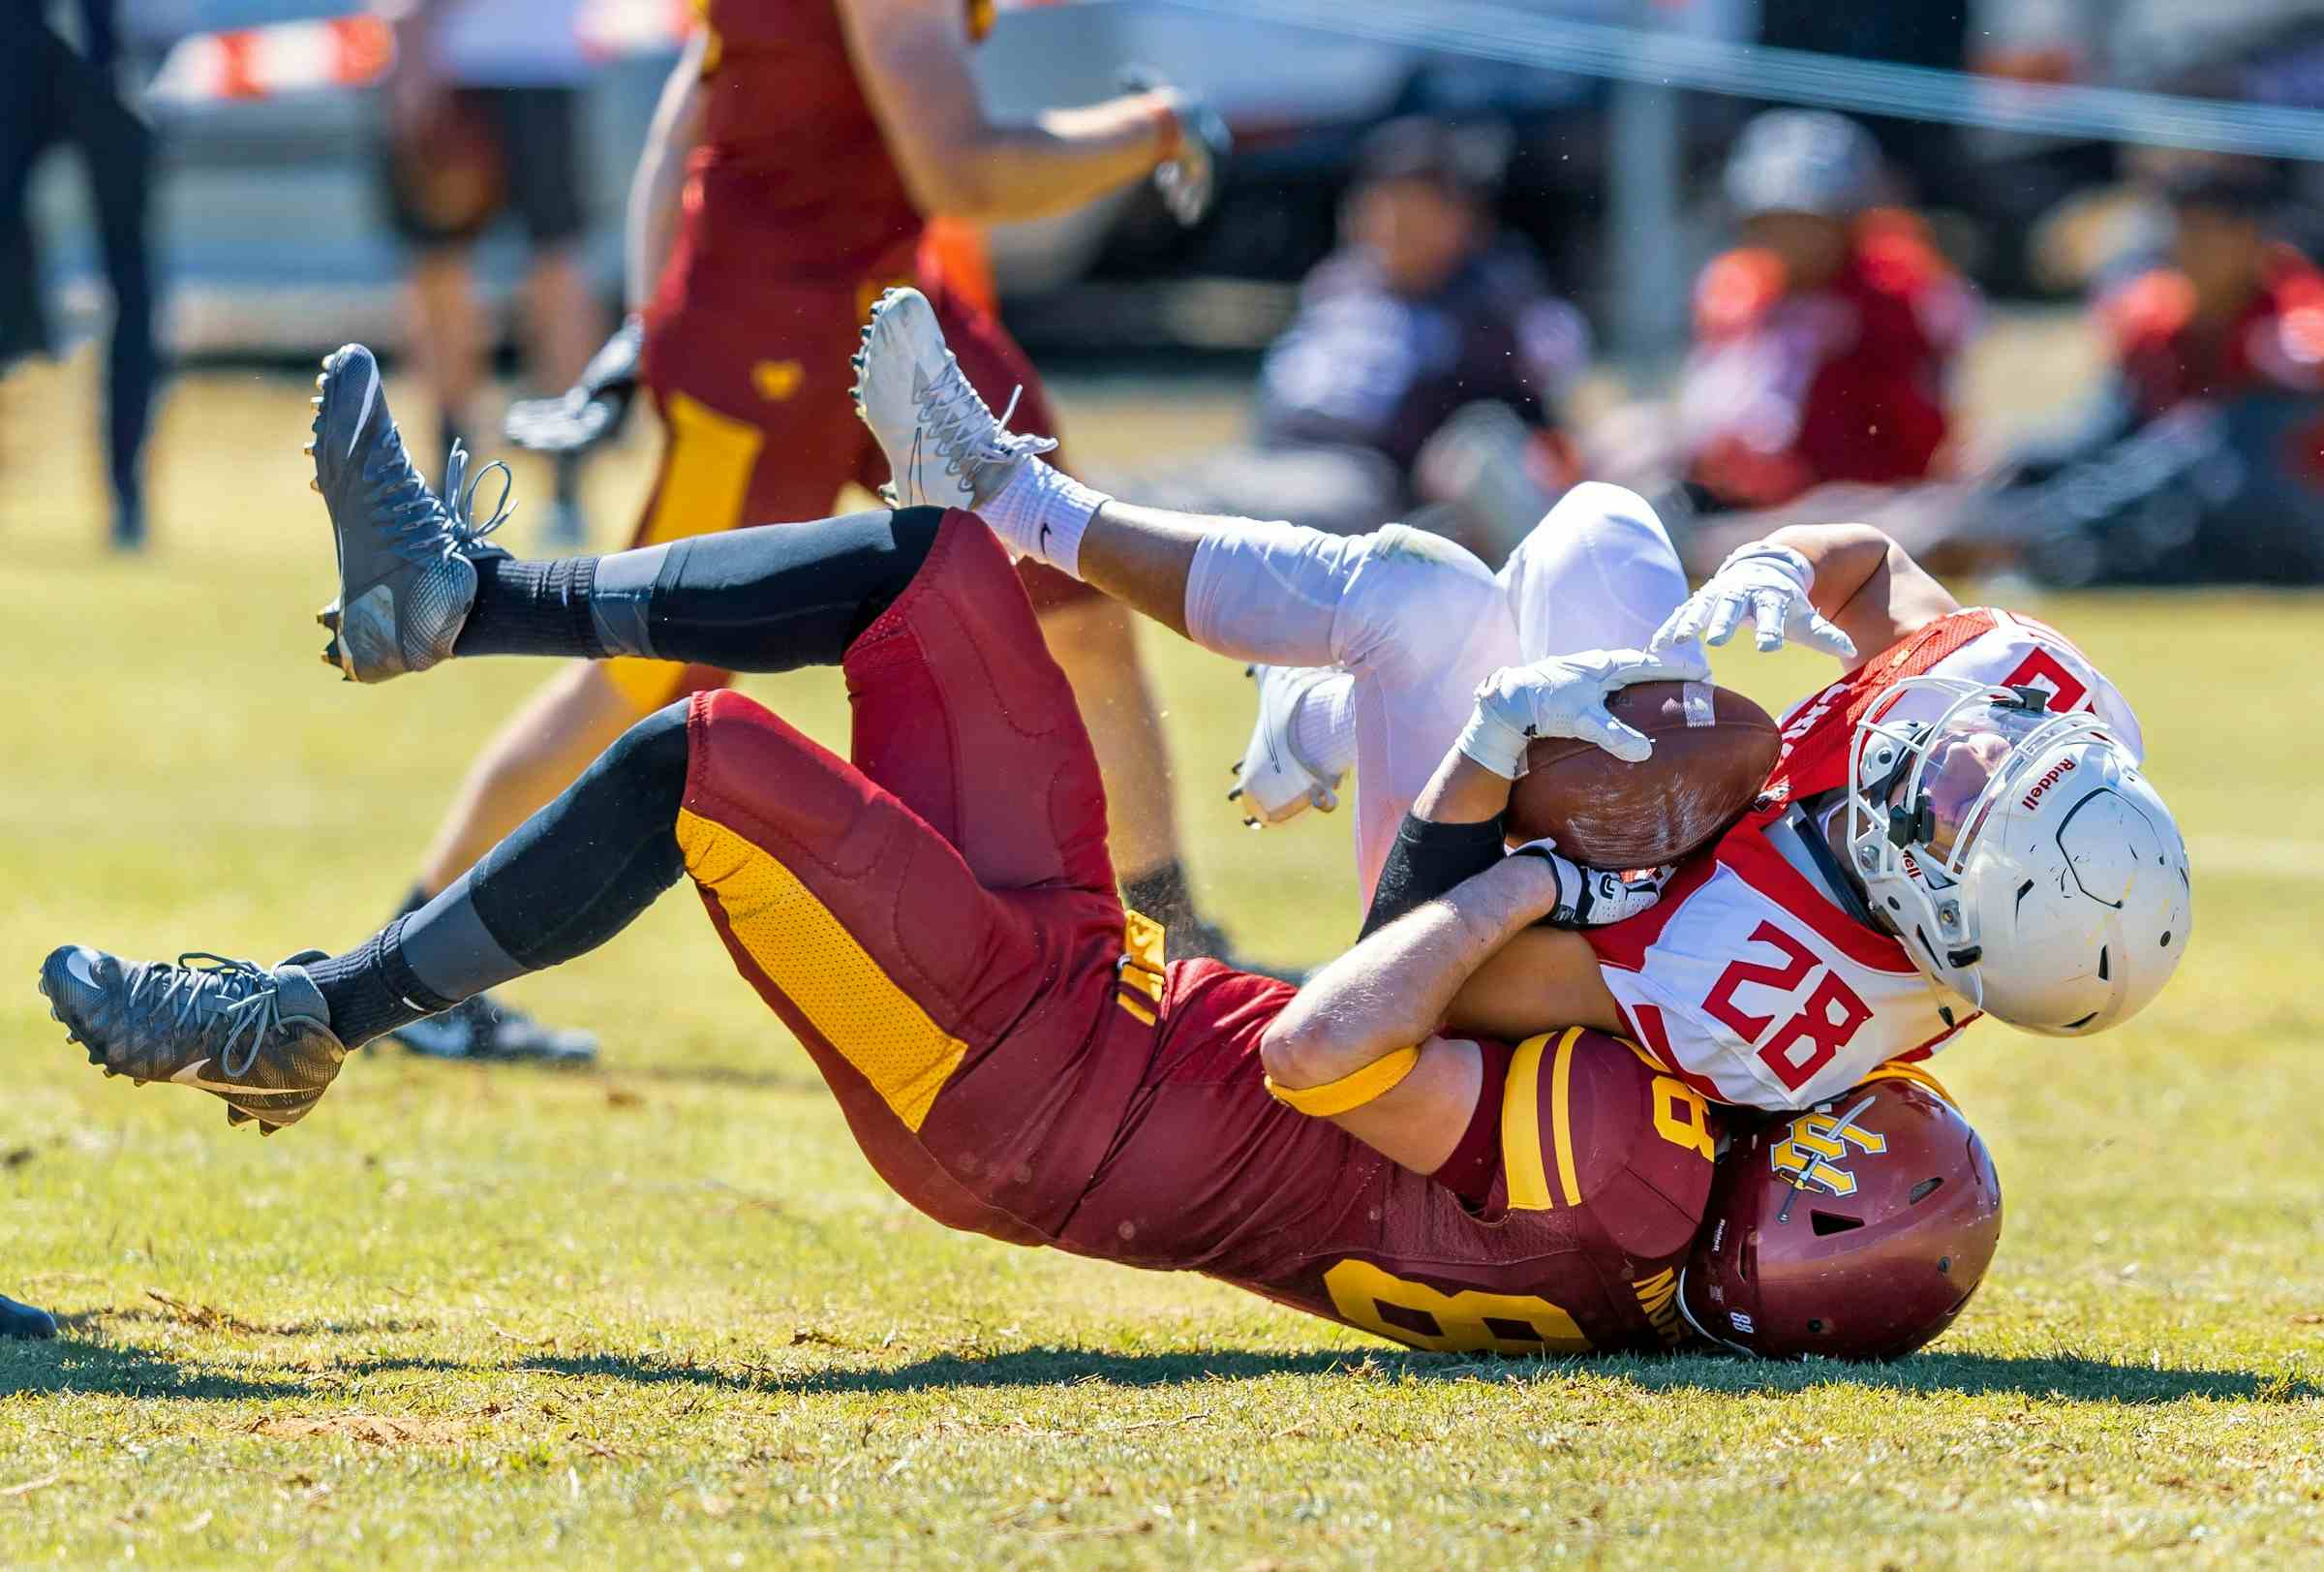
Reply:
x=314, y=485
x=1234, y=796
x=1250, y=825
x=307, y=449
x=328, y=617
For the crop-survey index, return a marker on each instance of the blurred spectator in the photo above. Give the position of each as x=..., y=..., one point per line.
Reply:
x=1424, y=368
x=483, y=116
x=1824, y=340
x=52, y=93
x=2204, y=459
x=2231, y=310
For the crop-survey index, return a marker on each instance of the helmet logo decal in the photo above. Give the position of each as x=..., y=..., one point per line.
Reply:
x=2050, y=776
x=1814, y=1151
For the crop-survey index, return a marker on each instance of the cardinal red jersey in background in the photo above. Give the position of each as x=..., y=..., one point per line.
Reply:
x=1751, y=982
x=1789, y=390
x=2275, y=344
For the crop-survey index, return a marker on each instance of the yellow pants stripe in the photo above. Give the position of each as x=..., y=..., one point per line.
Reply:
x=1561, y=1115
x=1522, y=1129
x=705, y=481
x=809, y=954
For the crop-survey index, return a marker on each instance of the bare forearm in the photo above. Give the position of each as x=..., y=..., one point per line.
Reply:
x=1391, y=990
x=656, y=189
x=1061, y=159
x=1845, y=558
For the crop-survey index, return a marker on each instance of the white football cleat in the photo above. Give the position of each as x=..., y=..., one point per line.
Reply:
x=945, y=448
x=1272, y=784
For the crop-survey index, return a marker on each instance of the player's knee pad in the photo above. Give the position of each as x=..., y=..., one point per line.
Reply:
x=1599, y=572
x=1412, y=596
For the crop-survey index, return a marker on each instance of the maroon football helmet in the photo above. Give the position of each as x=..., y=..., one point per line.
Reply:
x=1855, y=1230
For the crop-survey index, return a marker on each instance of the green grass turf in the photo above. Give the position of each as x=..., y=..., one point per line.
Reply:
x=662, y=1314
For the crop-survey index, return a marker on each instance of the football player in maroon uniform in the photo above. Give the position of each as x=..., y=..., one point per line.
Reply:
x=936, y=920
x=798, y=150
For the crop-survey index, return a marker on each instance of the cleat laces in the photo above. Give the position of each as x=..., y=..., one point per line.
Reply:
x=202, y=984
x=418, y=525
x=962, y=429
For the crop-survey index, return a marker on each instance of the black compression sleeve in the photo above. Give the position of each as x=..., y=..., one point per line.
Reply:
x=765, y=600
x=1425, y=861
x=778, y=599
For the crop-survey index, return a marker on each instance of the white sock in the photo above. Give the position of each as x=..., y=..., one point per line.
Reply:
x=1323, y=725
x=1041, y=514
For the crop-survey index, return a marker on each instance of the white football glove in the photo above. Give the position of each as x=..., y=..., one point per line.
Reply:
x=1564, y=696
x=1770, y=585
x=1590, y=897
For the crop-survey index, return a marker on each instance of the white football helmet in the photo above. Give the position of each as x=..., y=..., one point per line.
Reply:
x=2020, y=854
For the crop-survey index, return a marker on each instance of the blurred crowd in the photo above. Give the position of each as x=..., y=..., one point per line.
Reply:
x=1430, y=366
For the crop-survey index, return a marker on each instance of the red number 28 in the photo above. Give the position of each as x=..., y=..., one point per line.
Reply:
x=1828, y=1018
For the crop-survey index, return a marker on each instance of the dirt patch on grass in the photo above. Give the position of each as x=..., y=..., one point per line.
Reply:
x=372, y=1429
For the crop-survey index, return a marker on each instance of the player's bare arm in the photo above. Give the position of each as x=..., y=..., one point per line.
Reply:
x=912, y=58
x=656, y=189
x=1387, y=997
x=1539, y=978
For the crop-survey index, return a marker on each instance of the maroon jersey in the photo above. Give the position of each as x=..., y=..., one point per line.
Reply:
x=1605, y=1171
x=793, y=173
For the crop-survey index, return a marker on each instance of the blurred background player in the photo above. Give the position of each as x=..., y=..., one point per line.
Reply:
x=485, y=116
x=1422, y=376
x=52, y=93
x=1824, y=341
x=793, y=161
x=2203, y=458
x=1823, y=344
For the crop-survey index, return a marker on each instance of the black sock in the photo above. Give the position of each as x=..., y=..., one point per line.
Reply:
x=567, y=879
x=372, y=990
x=564, y=881
x=531, y=608
x=1161, y=893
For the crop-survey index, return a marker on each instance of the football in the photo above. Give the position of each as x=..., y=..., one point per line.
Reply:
x=1712, y=751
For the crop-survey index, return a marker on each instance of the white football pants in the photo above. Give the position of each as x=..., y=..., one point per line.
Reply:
x=1415, y=622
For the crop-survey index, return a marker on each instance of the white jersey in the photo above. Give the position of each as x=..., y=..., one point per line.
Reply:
x=1746, y=979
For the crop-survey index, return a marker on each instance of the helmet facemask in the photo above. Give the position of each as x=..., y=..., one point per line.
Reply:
x=1922, y=793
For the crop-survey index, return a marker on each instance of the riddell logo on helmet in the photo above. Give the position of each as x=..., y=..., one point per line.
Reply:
x=2055, y=773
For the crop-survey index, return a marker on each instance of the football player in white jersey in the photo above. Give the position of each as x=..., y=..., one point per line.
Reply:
x=1959, y=824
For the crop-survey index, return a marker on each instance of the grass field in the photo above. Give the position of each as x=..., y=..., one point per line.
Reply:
x=662, y=1314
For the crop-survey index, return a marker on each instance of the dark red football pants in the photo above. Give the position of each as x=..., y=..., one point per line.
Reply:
x=947, y=890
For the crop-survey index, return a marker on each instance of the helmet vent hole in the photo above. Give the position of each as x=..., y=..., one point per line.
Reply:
x=2076, y=1025
x=1832, y=1222
x=2166, y=939
x=2101, y=963
x=1944, y=1264
x=1815, y=1325
x=1924, y=1189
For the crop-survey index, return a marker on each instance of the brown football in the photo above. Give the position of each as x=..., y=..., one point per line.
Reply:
x=1712, y=751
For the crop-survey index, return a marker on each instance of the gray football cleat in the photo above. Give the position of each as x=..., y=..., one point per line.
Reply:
x=945, y=447
x=407, y=557
x=258, y=1038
